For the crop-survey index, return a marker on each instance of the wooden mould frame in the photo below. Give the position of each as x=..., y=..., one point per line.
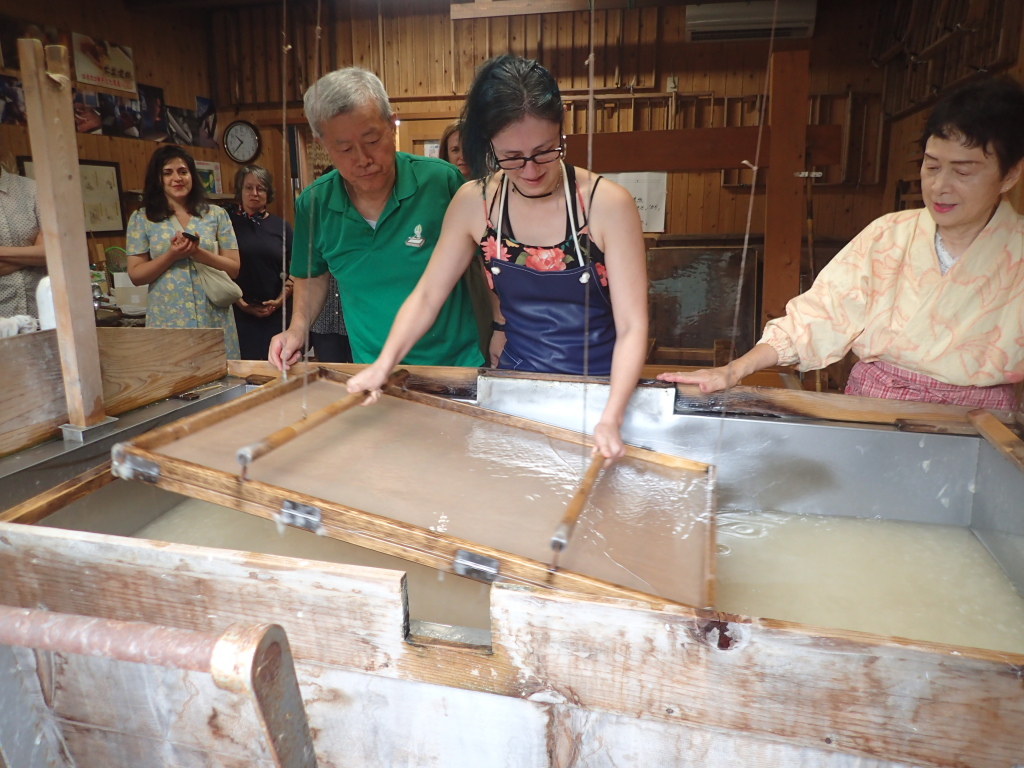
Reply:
x=137, y=459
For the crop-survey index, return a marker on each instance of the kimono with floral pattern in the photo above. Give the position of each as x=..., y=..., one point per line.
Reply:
x=884, y=297
x=176, y=298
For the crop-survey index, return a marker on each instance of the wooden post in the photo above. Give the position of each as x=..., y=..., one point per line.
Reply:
x=784, y=210
x=51, y=127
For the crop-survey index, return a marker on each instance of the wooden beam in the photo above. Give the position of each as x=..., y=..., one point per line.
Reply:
x=694, y=149
x=763, y=401
x=999, y=436
x=51, y=127
x=483, y=9
x=784, y=199
x=138, y=366
x=461, y=382
x=45, y=504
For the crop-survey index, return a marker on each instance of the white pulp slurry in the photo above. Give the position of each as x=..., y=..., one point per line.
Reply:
x=911, y=580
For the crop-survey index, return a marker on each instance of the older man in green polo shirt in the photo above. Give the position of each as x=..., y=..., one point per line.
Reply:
x=375, y=221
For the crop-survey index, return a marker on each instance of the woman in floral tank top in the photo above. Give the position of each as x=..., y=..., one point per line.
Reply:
x=563, y=249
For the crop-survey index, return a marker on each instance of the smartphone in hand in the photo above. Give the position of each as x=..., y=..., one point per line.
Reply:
x=190, y=236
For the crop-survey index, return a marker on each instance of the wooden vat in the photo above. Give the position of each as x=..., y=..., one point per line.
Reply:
x=568, y=679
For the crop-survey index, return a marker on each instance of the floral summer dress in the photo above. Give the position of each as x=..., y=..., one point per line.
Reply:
x=176, y=298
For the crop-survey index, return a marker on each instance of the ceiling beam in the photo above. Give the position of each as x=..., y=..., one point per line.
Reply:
x=693, y=149
x=482, y=9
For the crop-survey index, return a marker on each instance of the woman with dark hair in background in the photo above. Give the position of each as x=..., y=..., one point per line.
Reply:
x=451, y=149
x=932, y=299
x=163, y=256
x=591, y=280
x=485, y=303
x=260, y=235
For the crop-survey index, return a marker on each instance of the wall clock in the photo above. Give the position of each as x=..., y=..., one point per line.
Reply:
x=242, y=142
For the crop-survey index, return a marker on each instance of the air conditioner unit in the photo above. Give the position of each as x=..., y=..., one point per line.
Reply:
x=713, y=22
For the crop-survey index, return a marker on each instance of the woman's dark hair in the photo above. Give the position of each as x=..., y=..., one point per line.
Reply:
x=154, y=201
x=442, y=151
x=505, y=90
x=263, y=177
x=990, y=111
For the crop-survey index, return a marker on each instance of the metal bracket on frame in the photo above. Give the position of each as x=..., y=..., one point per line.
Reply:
x=474, y=566
x=131, y=467
x=300, y=516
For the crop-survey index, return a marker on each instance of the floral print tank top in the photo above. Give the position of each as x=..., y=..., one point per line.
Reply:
x=554, y=258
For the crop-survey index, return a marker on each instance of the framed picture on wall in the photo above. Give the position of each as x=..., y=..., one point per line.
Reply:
x=209, y=174
x=101, y=194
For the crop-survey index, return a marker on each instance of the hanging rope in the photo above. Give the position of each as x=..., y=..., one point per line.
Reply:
x=586, y=285
x=754, y=167
x=312, y=209
x=285, y=48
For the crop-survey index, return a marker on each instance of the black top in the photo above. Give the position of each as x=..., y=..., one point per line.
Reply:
x=259, y=250
x=559, y=256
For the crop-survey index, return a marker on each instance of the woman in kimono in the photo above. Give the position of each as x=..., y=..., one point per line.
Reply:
x=931, y=300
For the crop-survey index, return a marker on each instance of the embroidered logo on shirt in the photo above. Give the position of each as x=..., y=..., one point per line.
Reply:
x=416, y=241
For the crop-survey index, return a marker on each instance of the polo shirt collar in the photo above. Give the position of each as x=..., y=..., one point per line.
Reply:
x=405, y=186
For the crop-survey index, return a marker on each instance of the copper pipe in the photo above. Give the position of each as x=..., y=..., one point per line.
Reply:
x=133, y=641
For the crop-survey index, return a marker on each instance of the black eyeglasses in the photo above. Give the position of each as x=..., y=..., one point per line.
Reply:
x=541, y=158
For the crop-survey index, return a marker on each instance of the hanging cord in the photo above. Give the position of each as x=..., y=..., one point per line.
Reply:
x=312, y=209
x=589, y=214
x=285, y=48
x=763, y=98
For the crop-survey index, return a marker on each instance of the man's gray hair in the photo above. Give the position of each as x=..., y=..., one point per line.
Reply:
x=341, y=92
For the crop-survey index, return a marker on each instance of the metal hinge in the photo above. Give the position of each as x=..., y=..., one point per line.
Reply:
x=131, y=467
x=474, y=566
x=300, y=516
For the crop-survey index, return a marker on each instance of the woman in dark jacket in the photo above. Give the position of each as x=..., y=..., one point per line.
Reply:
x=259, y=233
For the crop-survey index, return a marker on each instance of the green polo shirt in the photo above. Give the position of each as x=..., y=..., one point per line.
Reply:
x=377, y=269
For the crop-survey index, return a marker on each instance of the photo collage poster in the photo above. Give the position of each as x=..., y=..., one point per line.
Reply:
x=144, y=114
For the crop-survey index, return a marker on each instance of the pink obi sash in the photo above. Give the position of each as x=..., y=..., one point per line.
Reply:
x=880, y=379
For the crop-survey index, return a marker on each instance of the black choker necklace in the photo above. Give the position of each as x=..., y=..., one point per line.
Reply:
x=531, y=197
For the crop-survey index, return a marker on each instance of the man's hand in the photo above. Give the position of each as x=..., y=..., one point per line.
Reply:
x=286, y=349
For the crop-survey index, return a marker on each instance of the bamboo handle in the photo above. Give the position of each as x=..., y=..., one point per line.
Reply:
x=563, y=532
x=248, y=454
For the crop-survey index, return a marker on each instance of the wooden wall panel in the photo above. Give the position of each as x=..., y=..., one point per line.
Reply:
x=904, y=157
x=171, y=52
x=428, y=63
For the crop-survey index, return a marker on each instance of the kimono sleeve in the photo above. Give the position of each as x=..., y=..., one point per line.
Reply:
x=822, y=324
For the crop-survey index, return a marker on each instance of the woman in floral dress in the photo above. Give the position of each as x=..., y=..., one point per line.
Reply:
x=160, y=256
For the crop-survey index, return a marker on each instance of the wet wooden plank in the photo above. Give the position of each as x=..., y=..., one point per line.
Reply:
x=138, y=366
x=883, y=699
x=810, y=689
x=999, y=436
